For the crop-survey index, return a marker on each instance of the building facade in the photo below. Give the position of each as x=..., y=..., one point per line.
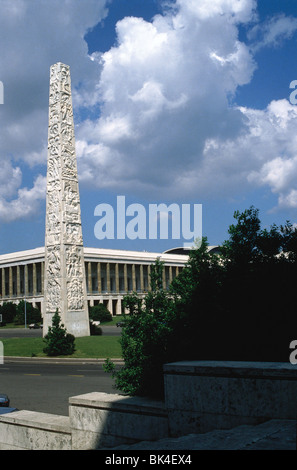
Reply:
x=110, y=275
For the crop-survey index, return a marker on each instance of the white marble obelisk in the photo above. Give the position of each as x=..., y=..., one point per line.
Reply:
x=64, y=275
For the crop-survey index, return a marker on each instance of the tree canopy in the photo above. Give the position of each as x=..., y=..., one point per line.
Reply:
x=238, y=305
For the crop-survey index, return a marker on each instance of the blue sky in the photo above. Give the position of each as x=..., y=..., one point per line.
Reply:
x=183, y=101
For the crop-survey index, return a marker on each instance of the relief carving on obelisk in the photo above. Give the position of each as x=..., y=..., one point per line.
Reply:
x=65, y=285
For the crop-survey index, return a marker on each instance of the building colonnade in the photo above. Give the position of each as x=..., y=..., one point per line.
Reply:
x=107, y=280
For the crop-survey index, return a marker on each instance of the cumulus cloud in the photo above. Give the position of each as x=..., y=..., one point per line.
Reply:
x=274, y=130
x=168, y=127
x=32, y=38
x=272, y=32
x=164, y=92
x=25, y=204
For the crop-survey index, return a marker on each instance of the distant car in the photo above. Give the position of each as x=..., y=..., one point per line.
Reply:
x=34, y=326
x=120, y=323
x=4, y=400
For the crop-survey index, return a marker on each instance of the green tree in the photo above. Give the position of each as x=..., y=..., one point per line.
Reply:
x=156, y=331
x=239, y=305
x=100, y=313
x=144, y=339
x=33, y=315
x=8, y=311
x=58, y=341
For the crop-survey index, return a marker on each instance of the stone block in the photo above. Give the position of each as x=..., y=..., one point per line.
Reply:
x=205, y=395
x=30, y=430
x=101, y=419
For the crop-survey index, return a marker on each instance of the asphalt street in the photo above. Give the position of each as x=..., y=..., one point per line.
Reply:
x=45, y=384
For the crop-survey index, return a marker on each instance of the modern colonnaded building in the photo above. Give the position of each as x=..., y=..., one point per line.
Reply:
x=110, y=274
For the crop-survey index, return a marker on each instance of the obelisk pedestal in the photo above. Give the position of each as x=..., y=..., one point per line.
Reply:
x=64, y=275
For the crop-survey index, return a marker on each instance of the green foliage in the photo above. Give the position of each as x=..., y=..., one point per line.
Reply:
x=239, y=305
x=58, y=341
x=95, y=330
x=100, y=313
x=147, y=339
x=8, y=311
x=33, y=315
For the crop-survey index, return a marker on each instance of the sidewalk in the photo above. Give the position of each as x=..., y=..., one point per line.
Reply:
x=271, y=435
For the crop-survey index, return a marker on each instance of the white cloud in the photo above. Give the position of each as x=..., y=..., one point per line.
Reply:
x=32, y=39
x=164, y=90
x=272, y=32
x=25, y=204
x=166, y=127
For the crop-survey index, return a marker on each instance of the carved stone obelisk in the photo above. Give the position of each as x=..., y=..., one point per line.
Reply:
x=64, y=275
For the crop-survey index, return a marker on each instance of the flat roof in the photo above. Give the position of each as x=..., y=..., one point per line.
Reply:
x=95, y=254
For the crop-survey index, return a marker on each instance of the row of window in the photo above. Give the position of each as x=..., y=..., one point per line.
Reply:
x=27, y=280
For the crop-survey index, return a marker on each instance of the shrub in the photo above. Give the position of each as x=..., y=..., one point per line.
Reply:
x=58, y=341
x=95, y=330
x=238, y=306
x=100, y=313
x=146, y=340
x=33, y=315
x=8, y=312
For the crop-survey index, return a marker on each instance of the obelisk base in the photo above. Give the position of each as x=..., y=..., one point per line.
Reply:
x=76, y=323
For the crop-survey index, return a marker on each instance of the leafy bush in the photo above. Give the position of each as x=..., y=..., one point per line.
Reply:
x=95, y=330
x=8, y=312
x=33, y=315
x=238, y=305
x=147, y=339
x=58, y=341
x=100, y=313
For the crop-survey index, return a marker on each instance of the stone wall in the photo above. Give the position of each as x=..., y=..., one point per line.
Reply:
x=30, y=430
x=199, y=396
x=205, y=395
x=107, y=420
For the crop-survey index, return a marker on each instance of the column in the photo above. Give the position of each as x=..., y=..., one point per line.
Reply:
x=90, y=278
x=3, y=283
x=108, y=278
x=141, y=278
x=170, y=274
x=133, y=278
x=26, y=283
x=117, y=280
x=99, y=278
x=164, y=277
x=18, y=281
x=10, y=282
x=125, y=278
x=149, y=277
x=34, y=280
x=42, y=277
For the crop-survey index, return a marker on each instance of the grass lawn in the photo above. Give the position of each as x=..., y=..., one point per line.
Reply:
x=89, y=346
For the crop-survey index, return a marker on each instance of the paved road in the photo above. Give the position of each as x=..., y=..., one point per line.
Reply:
x=46, y=385
x=26, y=332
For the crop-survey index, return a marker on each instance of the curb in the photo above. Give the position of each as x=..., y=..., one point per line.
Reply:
x=61, y=359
